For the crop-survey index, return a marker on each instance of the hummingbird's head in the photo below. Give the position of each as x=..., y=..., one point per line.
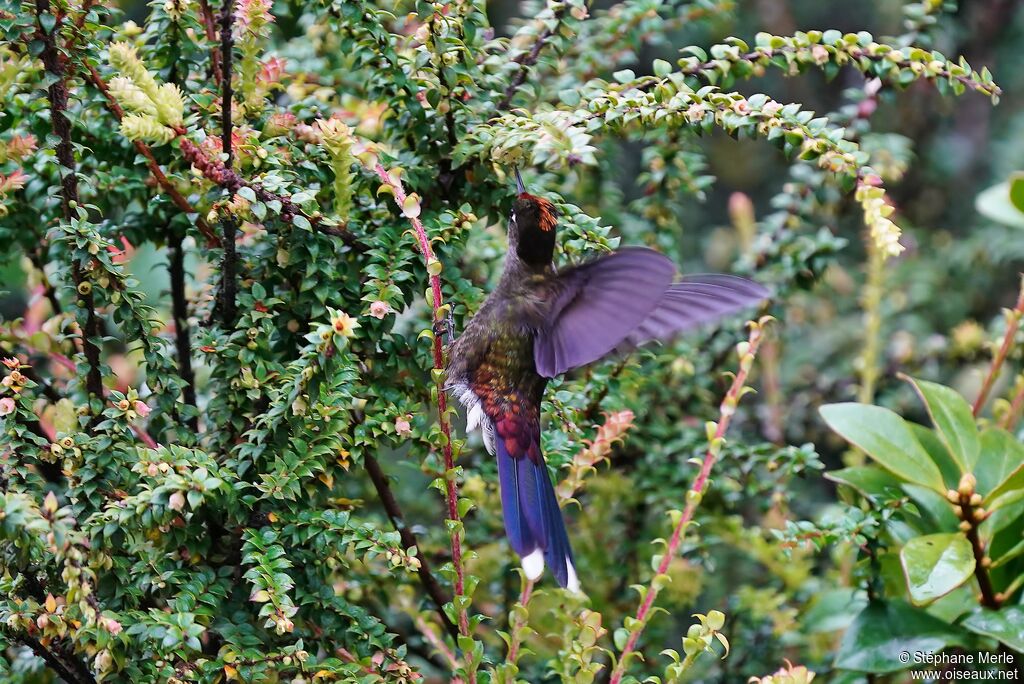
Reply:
x=531, y=227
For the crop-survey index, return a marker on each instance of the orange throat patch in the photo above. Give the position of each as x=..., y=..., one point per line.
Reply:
x=548, y=216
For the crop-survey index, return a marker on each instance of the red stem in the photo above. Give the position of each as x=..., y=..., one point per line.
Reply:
x=451, y=488
x=1013, y=415
x=1012, y=324
x=695, y=494
x=513, y=649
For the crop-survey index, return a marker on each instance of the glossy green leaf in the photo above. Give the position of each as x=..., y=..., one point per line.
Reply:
x=1006, y=625
x=939, y=511
x=933, y=446
x=953, y=421
x=1002, y=459
x=870, y=481
x=935, y=565
x=1003, y=469
x=886, y=630
x=886, y=438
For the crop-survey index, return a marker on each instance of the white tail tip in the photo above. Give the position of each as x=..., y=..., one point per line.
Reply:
x=533, y=565
x=573, y=584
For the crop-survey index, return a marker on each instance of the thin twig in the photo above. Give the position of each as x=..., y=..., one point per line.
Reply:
x=528, y=59
x=229, y=225
x=179, y=310
x=214, y=170
x=1013, y=317
x=518, y=625
x=154, y=168
x=427, y=630
x=210, y=29
x=696, y=492
x=50, y=658
x=1013, y=414
x=394, y=511
x=57, y=94
x=451, y=487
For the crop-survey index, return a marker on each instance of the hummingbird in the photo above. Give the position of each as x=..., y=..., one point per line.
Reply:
x=540, y=322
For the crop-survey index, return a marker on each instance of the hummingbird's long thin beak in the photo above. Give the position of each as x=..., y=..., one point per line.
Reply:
x=520, y=188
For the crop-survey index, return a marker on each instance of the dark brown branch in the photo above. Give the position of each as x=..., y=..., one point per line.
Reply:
x=154, y=168
x=51, y=659
x=179, y=309
x=968, y=509
x=394, y=511
x=57, y=95
x=527, y=60
x=229, y=225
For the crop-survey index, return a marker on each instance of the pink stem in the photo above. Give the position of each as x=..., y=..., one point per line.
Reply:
x=695, y=494
x=451, y=489
x=1012, y=323
x=517, y=628
x=437, y=642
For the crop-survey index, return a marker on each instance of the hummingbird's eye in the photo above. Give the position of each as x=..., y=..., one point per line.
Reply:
x=512, y=216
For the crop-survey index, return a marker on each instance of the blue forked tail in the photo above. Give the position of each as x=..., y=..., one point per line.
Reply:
x=533, y=519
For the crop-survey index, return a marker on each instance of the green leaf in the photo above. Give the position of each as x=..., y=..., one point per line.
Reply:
x=569, y=96
x=940, y=512
x=935, y=565
x=933, y=446
x=871, y=481
x=1017, y=191
x=1004, y=625
x=994, y=203
x=1001, y=469
x=620, y=637
x=953, y=421
x=886, y=630
x=886, y=438
x=833, y=610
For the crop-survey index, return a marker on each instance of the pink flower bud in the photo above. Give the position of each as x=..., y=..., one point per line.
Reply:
x=111, y=625
x=7, y=406
x=142, y=409
x=176, y=502
x=403, y=427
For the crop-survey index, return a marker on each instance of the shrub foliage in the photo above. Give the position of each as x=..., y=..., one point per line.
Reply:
x=244, y=234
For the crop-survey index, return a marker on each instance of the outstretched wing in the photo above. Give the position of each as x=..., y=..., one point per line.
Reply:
x=628, y=298
x=597, y=304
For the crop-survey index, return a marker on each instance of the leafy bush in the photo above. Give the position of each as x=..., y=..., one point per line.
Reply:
x=238, y=237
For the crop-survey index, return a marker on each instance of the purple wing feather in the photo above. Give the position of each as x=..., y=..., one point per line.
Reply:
x=627, y=298
x=692, y=302
x=597, y=305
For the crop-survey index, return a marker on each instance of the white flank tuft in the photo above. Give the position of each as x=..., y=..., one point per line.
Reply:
x=573, y=584
x=473, y=419
x=533, y=565
x=487, y=430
